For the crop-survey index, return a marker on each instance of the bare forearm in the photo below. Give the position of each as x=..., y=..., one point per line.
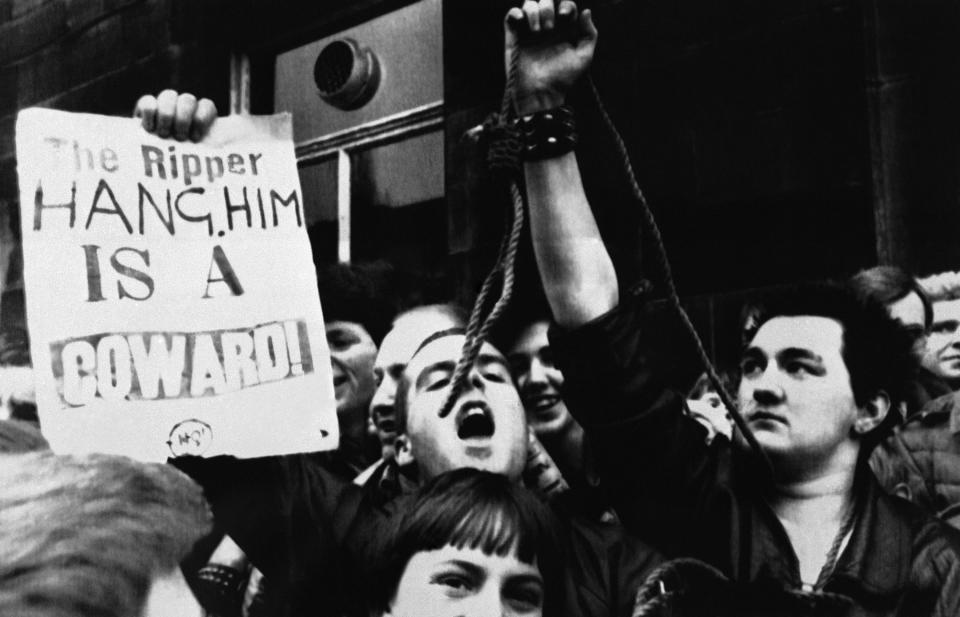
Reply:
x=576, y=270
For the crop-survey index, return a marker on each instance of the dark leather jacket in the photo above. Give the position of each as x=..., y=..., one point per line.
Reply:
x=623, y=374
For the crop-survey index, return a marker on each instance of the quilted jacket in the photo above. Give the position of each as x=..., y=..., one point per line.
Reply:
x=921, y=460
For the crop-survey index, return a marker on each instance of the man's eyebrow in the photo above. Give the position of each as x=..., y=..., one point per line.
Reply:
x=442, y=365
x=526, y=578
x=752, y=353
x=470, y=567
x=798, y=353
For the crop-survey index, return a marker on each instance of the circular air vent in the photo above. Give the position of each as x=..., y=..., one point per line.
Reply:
x=346, y=75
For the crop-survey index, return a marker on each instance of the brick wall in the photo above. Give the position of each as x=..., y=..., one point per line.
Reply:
x=99, y=56
x=913, y=94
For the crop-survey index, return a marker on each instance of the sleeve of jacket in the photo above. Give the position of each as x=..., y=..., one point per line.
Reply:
x=898, y=471
x=945, y=567
x=623, y=374
x=907, y=462
x=610, y=567
x=284, y=512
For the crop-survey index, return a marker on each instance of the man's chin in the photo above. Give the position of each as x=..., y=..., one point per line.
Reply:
x=950, y=372
x=350, y=408
x=771, y=442
x=478, y=451
x=344, y=397
x=485, y=459
x=549, y=424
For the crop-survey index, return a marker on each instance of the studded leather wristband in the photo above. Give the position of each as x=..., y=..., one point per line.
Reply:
x=549, y=133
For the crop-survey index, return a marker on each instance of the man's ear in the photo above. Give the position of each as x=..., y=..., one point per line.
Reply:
x=872, y=413
x=404, y=451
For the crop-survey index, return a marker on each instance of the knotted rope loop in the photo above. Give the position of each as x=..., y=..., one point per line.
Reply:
x=504, y=144
x=504, y=149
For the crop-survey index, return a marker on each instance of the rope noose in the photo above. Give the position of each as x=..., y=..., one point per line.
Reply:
x=503, y=158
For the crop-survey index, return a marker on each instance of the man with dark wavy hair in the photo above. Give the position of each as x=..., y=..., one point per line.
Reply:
x=907, y=302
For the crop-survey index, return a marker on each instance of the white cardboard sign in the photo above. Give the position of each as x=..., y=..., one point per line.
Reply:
x=171, y=295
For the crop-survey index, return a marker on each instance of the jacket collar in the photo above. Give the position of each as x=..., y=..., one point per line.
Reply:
x=877, y=559
x=942, y=409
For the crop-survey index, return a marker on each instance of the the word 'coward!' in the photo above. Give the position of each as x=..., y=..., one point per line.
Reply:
x=168, y=365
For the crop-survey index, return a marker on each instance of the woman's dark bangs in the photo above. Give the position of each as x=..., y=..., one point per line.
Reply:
x=491, y=527
x=496, y=527
x=483, y=512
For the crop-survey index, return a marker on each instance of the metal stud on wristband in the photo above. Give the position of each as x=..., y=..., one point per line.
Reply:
x=548, y=133
x=219, y=588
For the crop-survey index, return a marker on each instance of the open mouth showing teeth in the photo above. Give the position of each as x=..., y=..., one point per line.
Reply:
x=475, y=422
x=542, y=403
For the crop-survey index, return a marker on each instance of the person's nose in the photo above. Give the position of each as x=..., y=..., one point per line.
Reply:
x=475, y=379
x=538, y=373
x=767, y=389
x=766, y=396
x=487, y=603
x=385, y=394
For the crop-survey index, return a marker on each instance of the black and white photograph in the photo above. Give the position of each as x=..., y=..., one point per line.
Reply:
x=509, y=308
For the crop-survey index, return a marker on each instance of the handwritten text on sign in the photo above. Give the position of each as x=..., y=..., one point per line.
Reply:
x=153, y=365
x=176, y=204
x=171, y=284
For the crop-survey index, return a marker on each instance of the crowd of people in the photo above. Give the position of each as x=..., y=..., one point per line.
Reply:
x=587, y=467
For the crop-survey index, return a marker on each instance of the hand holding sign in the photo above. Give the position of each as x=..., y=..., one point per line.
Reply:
x=180, y=115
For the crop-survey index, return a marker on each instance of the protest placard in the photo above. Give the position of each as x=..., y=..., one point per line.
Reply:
x=171, y=295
